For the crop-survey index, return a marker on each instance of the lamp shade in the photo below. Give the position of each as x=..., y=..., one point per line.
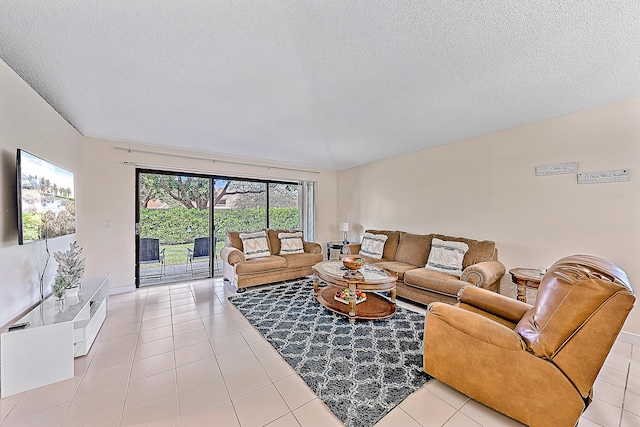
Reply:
x=345, y=226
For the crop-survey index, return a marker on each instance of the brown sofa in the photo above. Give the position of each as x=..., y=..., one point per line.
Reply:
x=538, y=363
x=244, y=272
x=407, y=254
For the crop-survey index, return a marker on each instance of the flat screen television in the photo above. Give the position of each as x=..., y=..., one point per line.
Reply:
x=46, y=199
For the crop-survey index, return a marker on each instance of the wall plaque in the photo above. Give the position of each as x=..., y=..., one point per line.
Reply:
x=557, y=169
x=618, y=175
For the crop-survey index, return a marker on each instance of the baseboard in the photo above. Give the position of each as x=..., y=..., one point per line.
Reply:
x=122, y=290
x=629, y=338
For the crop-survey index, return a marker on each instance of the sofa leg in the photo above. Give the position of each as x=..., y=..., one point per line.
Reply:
x=241, y=290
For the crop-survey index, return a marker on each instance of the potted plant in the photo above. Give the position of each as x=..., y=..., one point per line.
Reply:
x=70, y=265
x=59, y=288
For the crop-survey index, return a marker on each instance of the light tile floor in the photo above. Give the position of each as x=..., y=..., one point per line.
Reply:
x=182, y=355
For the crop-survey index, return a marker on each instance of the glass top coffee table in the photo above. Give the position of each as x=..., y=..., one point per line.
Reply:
x=368, y=279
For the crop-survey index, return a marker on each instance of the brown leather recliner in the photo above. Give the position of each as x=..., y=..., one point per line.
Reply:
x=536, y=364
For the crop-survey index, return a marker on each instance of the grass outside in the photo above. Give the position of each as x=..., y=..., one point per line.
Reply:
x=177, y=254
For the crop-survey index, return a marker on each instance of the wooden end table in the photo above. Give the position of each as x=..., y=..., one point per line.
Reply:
x=525, y=278
x=368, y=279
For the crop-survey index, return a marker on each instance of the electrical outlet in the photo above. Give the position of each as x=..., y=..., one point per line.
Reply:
x=107, y=223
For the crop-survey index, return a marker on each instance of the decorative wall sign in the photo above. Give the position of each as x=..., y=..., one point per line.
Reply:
x=618, y=175
x=557, y=169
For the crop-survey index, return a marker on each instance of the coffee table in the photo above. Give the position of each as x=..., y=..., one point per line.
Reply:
x=368, y=279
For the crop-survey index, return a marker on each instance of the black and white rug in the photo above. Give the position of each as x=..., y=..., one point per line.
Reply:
x=360, y=371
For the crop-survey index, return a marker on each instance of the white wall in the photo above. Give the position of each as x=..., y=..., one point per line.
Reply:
x=110, y=195
x=29, y=123
x=486, y=188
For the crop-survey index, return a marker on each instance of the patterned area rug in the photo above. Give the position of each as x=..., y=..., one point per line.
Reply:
x=361, y=370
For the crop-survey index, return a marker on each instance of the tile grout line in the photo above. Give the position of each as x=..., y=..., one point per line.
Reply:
x=626, y=384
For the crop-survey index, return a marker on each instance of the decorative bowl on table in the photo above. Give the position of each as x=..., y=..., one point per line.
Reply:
x=353, y=262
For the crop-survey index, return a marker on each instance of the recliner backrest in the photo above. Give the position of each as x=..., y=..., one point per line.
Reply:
x=581, y=306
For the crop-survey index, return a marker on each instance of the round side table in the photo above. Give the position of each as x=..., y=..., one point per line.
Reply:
x=525, y=278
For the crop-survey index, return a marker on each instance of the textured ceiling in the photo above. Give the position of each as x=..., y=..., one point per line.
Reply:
x=328, y=83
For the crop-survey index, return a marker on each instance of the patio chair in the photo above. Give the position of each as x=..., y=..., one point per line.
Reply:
x=200, y=251
x=150, y=253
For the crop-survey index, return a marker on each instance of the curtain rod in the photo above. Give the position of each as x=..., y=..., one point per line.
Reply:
x=181, y=156
x=165, y=168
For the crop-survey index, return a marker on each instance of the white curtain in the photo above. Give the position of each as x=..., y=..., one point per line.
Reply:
x=308, y=209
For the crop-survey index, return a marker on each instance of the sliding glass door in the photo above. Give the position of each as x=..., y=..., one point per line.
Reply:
x=178, y=236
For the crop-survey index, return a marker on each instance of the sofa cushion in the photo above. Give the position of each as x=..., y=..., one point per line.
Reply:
x=413, y=248
x=446, y=256
x=233, y=239
x=391, y=245
x=261, y=265
x=291, y=243
x=274, y=240
x=397, y=267
x=255, y=244
x=373, y=245
x=435, y=281
x=479, y=251
x=302, y=260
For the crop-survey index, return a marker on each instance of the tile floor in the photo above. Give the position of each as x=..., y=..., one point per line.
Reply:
x=182, y=355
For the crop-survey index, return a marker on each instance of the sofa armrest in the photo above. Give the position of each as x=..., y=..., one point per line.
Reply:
x=231, y=255
x=484, y=273
x=351, y=249
x=493, y=303
x=473, y=325
x=312, y=248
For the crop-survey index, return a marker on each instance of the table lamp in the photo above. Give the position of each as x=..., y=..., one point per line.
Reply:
x=345, y=226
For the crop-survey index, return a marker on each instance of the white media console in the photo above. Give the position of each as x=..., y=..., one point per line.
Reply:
x=43, y=352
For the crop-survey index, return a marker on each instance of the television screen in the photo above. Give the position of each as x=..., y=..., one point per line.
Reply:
x=46, y=199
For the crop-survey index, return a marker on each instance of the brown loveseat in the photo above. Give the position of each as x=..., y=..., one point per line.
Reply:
x=538, y=363
x=244, y=272
x=407, y=254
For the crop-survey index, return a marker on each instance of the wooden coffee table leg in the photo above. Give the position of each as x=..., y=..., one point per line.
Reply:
x=393, y=295
x=315, y=284
x=352, y=302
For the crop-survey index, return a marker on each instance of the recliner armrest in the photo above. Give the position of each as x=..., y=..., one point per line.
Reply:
x=231, y=255
x=484, y=273
x=493, y=303
x=351, y=249
x=312, y=247
x=474, y=325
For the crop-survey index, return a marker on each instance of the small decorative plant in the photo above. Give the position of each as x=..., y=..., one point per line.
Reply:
x=70, y=265
x=60, y=286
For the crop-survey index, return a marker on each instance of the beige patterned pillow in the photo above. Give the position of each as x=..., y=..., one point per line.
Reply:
x=373, y=245
x=255, y=244
x=291, y=243
x=446, y=256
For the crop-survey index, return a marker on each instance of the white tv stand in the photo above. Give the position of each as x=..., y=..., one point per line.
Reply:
x=43, y=352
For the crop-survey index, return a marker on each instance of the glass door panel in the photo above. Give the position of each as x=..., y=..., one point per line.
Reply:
x=284, y=211
x=174, y=241
x=239, y=206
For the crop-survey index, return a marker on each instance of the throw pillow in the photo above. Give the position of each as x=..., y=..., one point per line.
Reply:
x=373, y=245
x=255, y=244
x=291, y=243
x=446, y=256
